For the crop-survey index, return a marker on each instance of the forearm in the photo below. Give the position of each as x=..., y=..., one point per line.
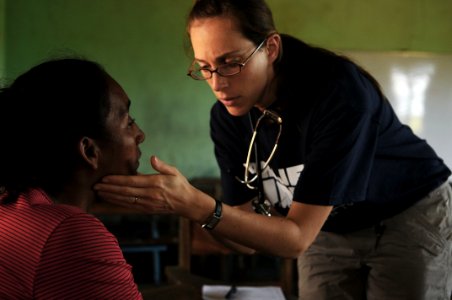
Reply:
x=246, y=231
x=229, y=243
x=272, y=235
x=232, y=245
x=170, y=192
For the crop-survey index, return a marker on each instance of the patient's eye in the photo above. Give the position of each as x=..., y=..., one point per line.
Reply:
x=131, y=121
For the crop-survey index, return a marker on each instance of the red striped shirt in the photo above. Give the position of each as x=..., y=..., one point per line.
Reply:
x=50, y=251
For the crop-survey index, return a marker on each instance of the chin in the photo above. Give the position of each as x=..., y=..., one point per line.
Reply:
x=130, y=170
x=237, y=111
x=133, y=171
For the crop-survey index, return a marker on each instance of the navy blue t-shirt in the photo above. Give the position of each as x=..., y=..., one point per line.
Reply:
x=341, y=144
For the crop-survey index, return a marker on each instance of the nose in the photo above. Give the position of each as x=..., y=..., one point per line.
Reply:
x=218, y=82
x=140, y=136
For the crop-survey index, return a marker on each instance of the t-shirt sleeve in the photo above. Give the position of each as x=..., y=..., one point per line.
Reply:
x=342, y=146
x=82, y=260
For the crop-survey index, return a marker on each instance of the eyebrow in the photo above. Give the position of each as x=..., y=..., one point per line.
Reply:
x=221, y=57
x=124, y=111
x=129, y=103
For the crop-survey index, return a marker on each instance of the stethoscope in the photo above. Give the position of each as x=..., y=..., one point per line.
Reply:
x=260, y=205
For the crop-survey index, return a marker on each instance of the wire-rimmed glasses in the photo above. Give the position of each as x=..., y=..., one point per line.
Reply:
x=198, y=72
x=275, y=117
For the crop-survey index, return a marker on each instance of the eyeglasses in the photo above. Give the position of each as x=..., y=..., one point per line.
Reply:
x=202, y=73
x=275, y=117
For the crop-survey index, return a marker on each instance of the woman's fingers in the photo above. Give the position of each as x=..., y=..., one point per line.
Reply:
x=119, y=189
x=144, y=181
x=164, y=192
x=137, y=202
x=139, y=181
x=162, y=167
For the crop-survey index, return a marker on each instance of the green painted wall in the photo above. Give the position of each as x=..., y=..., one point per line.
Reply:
x=142, y=44
x=2, y=39
x=417, y=25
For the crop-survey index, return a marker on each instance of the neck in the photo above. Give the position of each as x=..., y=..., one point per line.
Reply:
x=269, y=93
x=77, y=193
x=77, y=199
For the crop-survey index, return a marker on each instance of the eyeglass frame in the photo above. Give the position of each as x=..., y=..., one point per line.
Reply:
x=217, y=69
x=274, y=116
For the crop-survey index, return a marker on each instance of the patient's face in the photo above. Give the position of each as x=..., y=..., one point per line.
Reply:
x=121, y=153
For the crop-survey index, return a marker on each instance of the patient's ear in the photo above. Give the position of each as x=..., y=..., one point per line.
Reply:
x=90, y=152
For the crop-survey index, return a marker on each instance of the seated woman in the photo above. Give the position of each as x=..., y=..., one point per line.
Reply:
x=64, y=125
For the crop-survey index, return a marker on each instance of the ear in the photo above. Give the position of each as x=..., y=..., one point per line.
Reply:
x=273, y=47
x=90, y=152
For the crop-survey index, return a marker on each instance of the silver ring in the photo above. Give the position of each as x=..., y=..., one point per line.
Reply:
x=135, y=200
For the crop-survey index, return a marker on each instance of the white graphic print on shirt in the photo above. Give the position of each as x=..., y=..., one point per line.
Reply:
x=278, y=188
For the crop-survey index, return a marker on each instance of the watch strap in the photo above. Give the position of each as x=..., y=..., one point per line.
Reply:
x=215, y=218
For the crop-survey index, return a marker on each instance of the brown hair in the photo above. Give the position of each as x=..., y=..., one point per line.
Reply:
x=254, y=17
x=255, y=21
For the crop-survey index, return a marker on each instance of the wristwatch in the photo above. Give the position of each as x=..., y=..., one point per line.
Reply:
x=213, y=220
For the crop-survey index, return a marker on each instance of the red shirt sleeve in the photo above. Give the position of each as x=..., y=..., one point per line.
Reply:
x=82, y=260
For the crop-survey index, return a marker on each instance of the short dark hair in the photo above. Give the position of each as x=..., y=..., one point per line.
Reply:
x=44, y=113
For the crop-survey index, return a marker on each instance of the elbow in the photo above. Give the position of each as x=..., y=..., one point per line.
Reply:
x=296, y=252
x=297, y=247
x=298, y=241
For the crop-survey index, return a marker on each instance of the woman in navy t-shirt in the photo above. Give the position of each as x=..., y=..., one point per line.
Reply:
x=306, y=139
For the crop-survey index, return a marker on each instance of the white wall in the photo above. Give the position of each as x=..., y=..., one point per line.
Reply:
x=419, y=86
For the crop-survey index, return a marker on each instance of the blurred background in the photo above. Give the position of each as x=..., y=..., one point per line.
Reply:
x=143, y=44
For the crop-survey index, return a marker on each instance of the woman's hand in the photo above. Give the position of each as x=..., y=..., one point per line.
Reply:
x=167, y=192
x=170, y=192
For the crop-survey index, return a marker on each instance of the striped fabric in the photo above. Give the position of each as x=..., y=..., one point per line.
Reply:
x=50, y=251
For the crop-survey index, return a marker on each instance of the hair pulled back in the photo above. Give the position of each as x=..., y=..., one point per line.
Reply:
x=253, y=17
